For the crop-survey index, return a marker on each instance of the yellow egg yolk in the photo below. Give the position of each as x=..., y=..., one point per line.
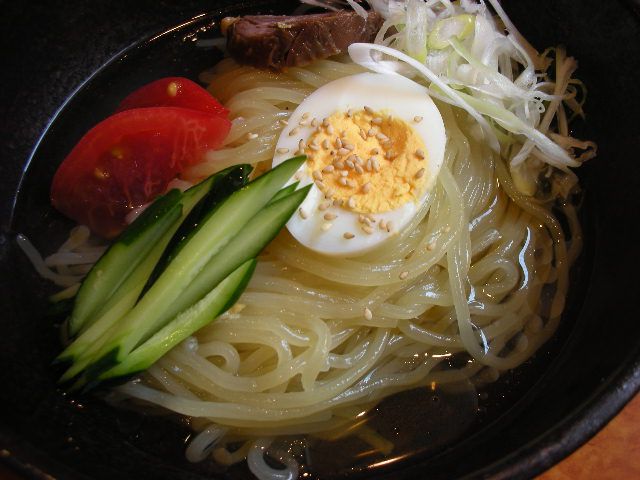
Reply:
x=367, y=161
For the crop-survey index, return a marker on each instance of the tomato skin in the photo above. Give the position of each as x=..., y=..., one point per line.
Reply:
x=173, y=92
x=128, y=159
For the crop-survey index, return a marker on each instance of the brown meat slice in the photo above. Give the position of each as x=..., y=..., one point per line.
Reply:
x=279, y=41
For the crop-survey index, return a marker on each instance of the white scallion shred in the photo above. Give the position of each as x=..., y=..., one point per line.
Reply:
x=479, y=62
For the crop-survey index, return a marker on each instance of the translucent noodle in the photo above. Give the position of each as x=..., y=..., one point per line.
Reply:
x=298, y=355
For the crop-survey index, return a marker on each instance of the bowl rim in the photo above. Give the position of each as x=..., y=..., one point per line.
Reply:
x=527, y=461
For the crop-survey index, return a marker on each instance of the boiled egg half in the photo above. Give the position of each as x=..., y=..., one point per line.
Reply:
x=374, y=144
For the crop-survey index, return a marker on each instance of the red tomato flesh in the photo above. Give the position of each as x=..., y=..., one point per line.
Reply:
x=174, y=92
x=128, y=159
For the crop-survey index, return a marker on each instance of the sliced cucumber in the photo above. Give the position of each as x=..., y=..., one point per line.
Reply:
x=216, y=302
x=123, y=257
x=127, y=293
x=219, y=228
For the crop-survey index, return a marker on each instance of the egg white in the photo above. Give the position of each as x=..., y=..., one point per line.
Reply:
x=392, y=94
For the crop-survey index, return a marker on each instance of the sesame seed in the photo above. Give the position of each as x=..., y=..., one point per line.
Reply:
x=294, y=131
x=348, y=235
x=366, y=188
x=367, y=313
x=330, y=130
x=371, y=132
x=326, y=226
x=343, y=151
x=317, y=174
x=382, y=137
x=359, y=169
x=361, y=218
x=343, y=181
x=328, y=169
x=305, y=115
x=390, y=154
x=431, y=245
x=252, y=136
x=302, y=123
x=325, y=122
x=344, y=173
x=348, y=146
x=417, y=119
x=330, y=216
x=338, y=202
x=363, y=134
x=387, y=144
x=338, y=143
x=325, y=144
x=351, y=183
x=359, y=160
x=420, y=173
x=375, y=164
x=367, y=229
x=314, y=123
x=420, y=154
x=351, y=203
x=320, y=185
x=339, y=164
x=389, y=226
x=368, y=109
x=369, y=166
x=324, y=205
x=350, y=163
x=301, y=145
x=283, y=121
x=303, y=214
x=329, y=193
x=376, y=121
x=403, y=275
x=382, y=225
x=283, y=150
x=314, y=147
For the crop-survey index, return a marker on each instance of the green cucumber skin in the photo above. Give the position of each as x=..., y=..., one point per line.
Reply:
x=218, y=301
x=259, y=232
x=256, y=234
x=284, y=192
x=235, y=178
x=98, y=286
x=89, y=340
x=221, y=226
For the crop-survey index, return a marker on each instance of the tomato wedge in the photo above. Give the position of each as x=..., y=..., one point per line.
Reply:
x=128, y=159
x=174, y=92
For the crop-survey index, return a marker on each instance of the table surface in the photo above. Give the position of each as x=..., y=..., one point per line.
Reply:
x=613, y=454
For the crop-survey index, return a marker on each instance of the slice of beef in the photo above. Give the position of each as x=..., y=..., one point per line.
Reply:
x=278, y=41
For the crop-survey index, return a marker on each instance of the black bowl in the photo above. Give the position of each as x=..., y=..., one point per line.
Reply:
x=66, y=66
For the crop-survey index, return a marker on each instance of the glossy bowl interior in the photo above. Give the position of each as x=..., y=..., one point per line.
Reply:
x=68, y=67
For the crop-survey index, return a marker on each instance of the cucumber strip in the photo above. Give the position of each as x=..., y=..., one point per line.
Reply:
x=128, y=292
x=89, y=341
x=284, y=192
x=216, y=302
x=123, y=257
x=256, y=235
x=235, y=180
x=220, y=227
